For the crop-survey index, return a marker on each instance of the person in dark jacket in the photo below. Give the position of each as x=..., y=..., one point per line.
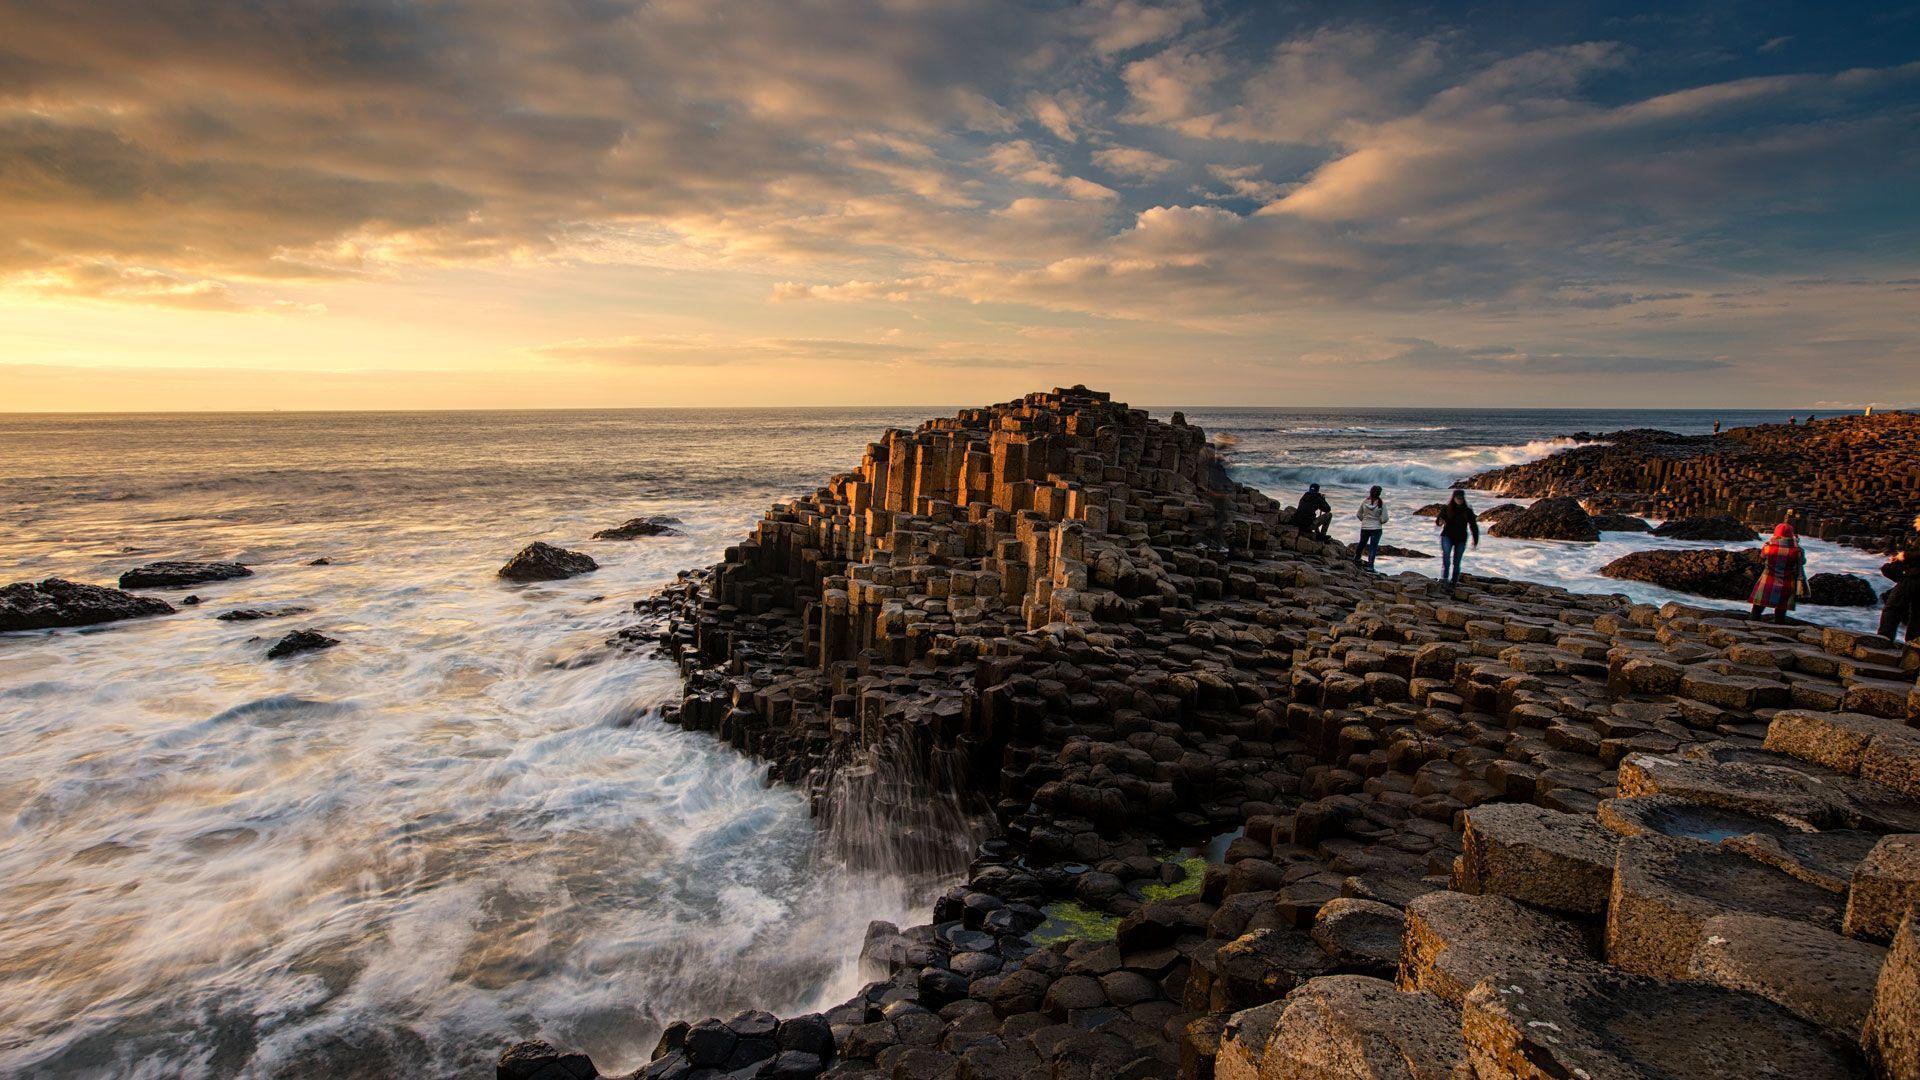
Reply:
x=1456, y=520
x=1313, y=515
x=1903, y=601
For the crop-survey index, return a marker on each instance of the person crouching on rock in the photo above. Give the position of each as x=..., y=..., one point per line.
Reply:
x=1903, y=601
x=1782, y=568
x=1455, y=521
x=1373, y=522
x=1313, y=515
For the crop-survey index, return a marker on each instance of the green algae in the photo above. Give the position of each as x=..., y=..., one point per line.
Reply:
x=1070, y=920
x=1196, y=868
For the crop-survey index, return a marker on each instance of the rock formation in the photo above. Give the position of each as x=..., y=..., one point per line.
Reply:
x=541, y=561
x=1841, y=590
x=300, y=641
x=1721, y=573
x=635, y=528
x=177, y=575
x=1510, y=832
x=1849, y=479
x=27, y=605
x=1557, y=518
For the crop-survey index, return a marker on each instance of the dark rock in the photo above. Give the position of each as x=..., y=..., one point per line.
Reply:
x=174, y=575
x=1620, y=523
x=709, y=1043
x=754, y=1024
x=1495, y=513
x=671, y=1039
x=300, y=641
x=1559, y=518
x=1841, y=590
x=809, y=1034
x=321, y=561
x=537, y=1060
x=1709, y=527
x=540, y=561
x=635, y=528
x=252, y=614
x=1721, y=573
x=27, y=605
x=794, y=1065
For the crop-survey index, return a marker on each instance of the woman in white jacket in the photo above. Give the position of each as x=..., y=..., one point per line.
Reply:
x=1373, y=521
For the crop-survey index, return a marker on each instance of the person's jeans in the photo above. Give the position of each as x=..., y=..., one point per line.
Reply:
x=1451, y=553
x=1369, y=548
x=1899, y=609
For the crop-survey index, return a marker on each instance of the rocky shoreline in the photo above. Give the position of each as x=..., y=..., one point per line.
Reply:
x=1508, y=832
x=1849, y=479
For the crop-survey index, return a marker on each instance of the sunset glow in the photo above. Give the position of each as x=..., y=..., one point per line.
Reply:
x=320, y=205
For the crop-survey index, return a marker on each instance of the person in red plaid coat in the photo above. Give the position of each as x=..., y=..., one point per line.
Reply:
x=1782, y=566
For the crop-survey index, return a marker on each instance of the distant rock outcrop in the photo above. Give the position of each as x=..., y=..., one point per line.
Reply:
x=1706, y=527
x=1720, y=573
x=1548, y=519
x=27, y=605
x=1838, y=476
x=177, y=575
x=543, y=562
x=635, y=528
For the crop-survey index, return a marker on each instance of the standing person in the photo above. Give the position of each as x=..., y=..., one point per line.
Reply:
x=1313, y=515
x=1782, y=566
x=1455, y=521
x=1716, y=427
x=1903, y=601
x=1373, y=522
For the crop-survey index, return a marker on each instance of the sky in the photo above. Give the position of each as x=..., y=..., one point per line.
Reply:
x=321, y=204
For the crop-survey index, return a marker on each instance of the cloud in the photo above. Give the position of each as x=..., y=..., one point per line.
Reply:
x=1420, y=354
x=1134, y=162
x=707, y=350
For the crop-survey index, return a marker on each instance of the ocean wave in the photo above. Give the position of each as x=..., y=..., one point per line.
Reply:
x=1435, y=469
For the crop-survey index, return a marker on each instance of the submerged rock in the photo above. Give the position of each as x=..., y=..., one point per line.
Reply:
x=1558, y=518
x=540, y=561
x=635, y=528
x=1841, y=590
x=1721, y=573
x=1711, y=527
x=301, y=641
x=27, y=605
x=176, y=575
x=252, y=614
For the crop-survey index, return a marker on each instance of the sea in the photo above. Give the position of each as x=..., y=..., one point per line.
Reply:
x=468, y=823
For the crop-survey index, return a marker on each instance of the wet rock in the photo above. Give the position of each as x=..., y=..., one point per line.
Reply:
x=540, y=561
x=1709, y=527
x=300, y=641
x=537, y=1060
x=1549, y=519
x=1720, y=573
x=1818, y=974
x=42, y=605
x=710, y=1043
x=321, y=561
x=635, y=528
x=1543, y=1022
x=1841, y=590
x=174, y=575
